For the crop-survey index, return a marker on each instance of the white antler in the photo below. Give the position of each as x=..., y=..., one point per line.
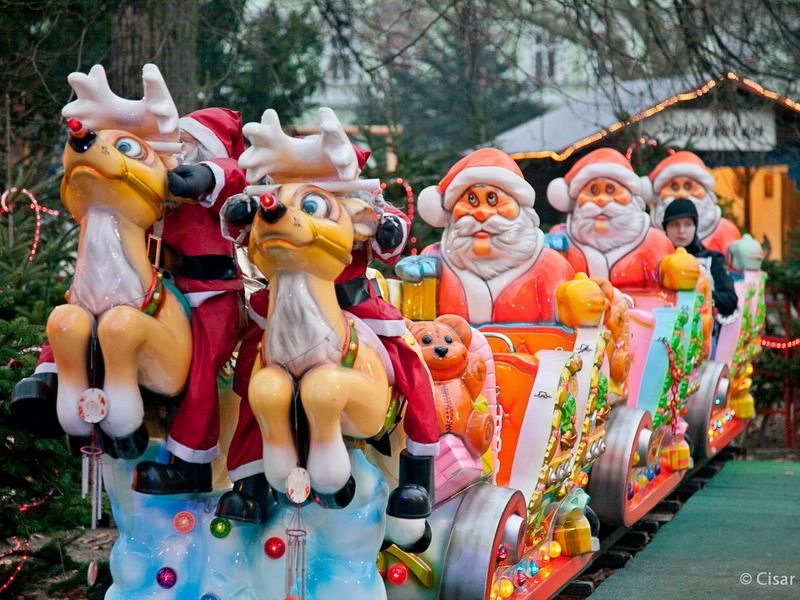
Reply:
x=324, y=157
x=153, y=118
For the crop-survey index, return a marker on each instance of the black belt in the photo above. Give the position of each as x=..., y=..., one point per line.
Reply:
x=202, y=267
x=353, y=292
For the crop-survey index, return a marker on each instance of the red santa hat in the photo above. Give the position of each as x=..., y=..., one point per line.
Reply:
x=562, y=193
x=487, y=165
x=218, y=130
x=681, y=164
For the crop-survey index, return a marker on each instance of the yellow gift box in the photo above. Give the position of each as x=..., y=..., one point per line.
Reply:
x=678, y=455
x=419, y=299
x=574, y=534
x=743, y=406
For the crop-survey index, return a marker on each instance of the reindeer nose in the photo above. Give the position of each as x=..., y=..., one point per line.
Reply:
x=441, y=351
x=81, y=137
x=270, y=208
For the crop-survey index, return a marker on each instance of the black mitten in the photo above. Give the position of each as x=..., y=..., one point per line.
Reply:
x=191, y=181
x=390, y=233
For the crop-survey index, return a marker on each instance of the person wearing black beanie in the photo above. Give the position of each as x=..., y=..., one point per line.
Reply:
x=680, y=224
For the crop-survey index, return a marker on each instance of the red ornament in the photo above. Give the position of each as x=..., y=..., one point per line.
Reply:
x=274, y=547
x=502, y=553
x=397, y=574
x=184, y=522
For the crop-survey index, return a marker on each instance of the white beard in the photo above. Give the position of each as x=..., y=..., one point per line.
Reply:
x=512, y=243
x=298, y=334
x=708, y=213
x=625, y=225
x=197, y=155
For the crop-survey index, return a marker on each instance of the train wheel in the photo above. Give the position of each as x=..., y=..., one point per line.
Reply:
x=487, y=518
x=711, y=396
x=629, y=436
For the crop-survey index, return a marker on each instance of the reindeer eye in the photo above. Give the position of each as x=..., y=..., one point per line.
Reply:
x=426, y=339
x=315, y=205
x=129, y=147
x=448, y=339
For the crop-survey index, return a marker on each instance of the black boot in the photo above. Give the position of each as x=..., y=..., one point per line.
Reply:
x=33, y=405
x=250, y=500
x=338, y=499
x=175, y=477
x=413, y=497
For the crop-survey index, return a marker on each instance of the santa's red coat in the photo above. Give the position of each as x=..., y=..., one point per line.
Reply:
x=194, y=229
x=636, y=270
x=724, y=234
x=530, y=298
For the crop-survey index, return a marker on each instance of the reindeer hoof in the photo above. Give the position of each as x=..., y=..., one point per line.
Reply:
x=33, y=405
x=249, y=500
x=128, y=447
x=338, y=499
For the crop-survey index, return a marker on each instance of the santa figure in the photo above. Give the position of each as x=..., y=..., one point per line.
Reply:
x=187, y=245
x=493, y=264
x=684, y=175
x=609, y=231
x=203, y=266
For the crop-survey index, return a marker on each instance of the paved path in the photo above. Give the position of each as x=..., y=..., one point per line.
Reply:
x=736, y=539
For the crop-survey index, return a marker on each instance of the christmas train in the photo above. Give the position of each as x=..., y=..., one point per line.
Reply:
x=539, y=382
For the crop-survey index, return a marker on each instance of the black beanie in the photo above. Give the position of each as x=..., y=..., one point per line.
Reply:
x=680, y=207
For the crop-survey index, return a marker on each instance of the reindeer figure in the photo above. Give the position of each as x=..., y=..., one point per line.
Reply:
x=301, y=240
x=115, y=186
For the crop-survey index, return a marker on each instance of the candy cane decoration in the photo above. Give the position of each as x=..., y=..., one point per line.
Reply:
x=37, y=208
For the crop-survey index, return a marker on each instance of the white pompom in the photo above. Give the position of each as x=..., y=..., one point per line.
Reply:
x=429, y=207
x=646, y=191
x=558, y=195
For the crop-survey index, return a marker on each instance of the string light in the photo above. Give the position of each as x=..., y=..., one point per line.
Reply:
x=409, y=205
x=641, y=142
x=17, y=547
x=747, y=84
x=780, y=343
x=37, y=209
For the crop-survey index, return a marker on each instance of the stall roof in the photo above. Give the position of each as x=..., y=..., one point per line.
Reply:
x=582, y=122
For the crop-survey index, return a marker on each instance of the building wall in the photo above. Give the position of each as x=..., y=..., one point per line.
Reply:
x=762, y=201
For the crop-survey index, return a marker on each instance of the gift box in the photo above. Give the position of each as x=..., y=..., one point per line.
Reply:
x=743, y=406
x=678, y=455
x=419, y=299
x=574, y=534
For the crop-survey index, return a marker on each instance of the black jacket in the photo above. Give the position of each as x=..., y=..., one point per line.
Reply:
x=724, y=293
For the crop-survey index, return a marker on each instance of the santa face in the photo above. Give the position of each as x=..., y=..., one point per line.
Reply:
x=193, y=151
x=489, y=232
x=607, y=215
x=708, y=213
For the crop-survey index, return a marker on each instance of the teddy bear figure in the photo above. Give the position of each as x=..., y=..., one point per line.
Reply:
x=458, y=378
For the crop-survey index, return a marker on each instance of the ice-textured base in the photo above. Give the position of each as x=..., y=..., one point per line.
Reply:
x=342, y=545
